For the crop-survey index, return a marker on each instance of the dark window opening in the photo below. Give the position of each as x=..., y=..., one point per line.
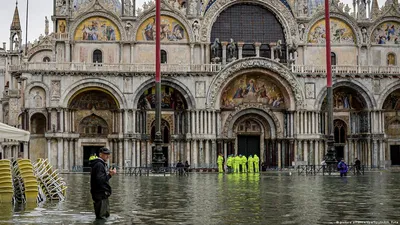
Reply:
x=333, y=59
x=163, y=56
x=97, y=57
x=46, y=59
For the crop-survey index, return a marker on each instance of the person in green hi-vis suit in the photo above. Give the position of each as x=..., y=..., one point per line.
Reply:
x=229, y=163
x=237, y=163
x=244, y=164
x=256, y=161
x=250, y=163
x=220, y=163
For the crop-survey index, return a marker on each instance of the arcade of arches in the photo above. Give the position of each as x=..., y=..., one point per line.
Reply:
x=253, y=118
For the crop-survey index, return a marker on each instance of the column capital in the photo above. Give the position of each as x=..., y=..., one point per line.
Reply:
x=257, y=44
x=240, y=44
x=224, y=43
x=191, y=45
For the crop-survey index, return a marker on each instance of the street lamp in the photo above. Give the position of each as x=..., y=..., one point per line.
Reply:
x=158, y=156
x=330, y=156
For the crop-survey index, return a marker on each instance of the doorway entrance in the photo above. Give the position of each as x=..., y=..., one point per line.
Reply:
x=395, y=155
x=87, y=152
x=248, y=145
x=339, y=152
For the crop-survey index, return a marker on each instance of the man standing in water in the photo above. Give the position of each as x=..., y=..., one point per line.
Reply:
x=99, y=185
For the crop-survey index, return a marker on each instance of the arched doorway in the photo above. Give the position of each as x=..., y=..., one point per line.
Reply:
x=340, y=131
x=38, y=124
x=391, y=109
x=96, y=115
x=352, y=125
x=174, y=123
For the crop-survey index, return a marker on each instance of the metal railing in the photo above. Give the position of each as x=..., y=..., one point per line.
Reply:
x=346, y=69
x=55, y=66
x=146, y=171
x=325, y=170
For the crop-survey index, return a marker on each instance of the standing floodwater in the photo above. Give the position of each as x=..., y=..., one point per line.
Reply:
x=224, y=199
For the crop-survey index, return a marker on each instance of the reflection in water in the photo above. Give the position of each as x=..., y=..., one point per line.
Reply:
x=272, y=198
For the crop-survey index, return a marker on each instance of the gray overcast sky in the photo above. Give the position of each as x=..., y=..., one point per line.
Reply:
x=38, y=9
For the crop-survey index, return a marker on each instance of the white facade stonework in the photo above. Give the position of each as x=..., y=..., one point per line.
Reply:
x=88, y=84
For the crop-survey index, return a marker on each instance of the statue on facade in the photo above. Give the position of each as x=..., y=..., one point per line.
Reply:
x=192, y=9
x=127, y=7
x=196, y=30
x=16, y=43
x=278, y=50
x=46, y=26
x=362, y=10
x=61, y=7
x=215, y=47
x=231, y=50
x=364, y=34
x=302, y=28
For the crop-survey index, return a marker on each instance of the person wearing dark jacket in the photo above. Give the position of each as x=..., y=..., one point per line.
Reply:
x=99, y=186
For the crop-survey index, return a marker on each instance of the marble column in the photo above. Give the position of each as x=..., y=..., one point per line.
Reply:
x=305, y=149
x=226, y=150
x=193, y=121
x=207, y=159
x=59, y=153
x=202, y=54
x=26, y=150
x=213, y=157
x=76, y=152
x=201, y=123
x=71, y=153
x=187, y=157
x=201, y=153
x=127, y=152
x=197, y=121
x=317, y=160
x=120, y=152
x=67, y=51
x=240, y=49
x=191, y=54
x=194, y=154
x=133, y=154
x=224, y=44
x=374, y=153
x=48, y=155
x=66, y=156
x=257, y=46
x=138, y=157
x=279, y=154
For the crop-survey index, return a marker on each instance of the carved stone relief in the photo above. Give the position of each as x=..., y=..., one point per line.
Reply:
x=55, y=89
x=310, y=90
x=200, y=89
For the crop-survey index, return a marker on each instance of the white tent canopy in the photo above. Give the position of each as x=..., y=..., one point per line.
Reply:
x=9, y=132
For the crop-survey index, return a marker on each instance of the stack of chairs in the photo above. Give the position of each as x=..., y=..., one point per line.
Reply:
x=25, y=182
x=6, y=182
x=51, y=183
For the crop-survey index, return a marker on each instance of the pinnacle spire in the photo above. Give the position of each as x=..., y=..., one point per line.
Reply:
x=16, y=24
x=375, y=9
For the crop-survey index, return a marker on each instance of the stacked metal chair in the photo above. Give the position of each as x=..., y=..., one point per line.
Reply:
x=6, y=182
x=52, y=185
x=25, y=182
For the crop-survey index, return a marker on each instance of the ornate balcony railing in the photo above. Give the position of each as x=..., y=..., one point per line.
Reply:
x=346, y=69
x=52, y=66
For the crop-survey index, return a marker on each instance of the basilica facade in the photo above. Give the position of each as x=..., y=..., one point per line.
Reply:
x=238, y=77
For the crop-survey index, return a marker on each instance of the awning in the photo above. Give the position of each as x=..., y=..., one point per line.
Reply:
x=9, y=132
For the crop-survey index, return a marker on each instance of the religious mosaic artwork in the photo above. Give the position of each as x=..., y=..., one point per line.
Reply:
x=171, y=30
x=38, y=97
x=340, y=32
x=346, y=99
x=93, y=125
x=392, y=102
x=386, y=33
x=97, y=29
x=171, y=99
x=93, y=99
x=61, y=26
x=393, y=129
x=252, y=88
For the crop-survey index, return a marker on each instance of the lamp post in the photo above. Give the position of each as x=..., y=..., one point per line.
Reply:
x=158, y=156
x=330, y=156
